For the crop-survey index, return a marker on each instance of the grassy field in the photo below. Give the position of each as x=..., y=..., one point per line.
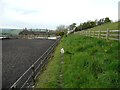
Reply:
x=88, y=63
x=110, y=26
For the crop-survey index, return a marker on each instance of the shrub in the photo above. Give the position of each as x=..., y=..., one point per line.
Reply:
x=60, y=34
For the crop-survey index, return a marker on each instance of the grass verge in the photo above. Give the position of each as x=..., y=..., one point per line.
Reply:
x=49, y=77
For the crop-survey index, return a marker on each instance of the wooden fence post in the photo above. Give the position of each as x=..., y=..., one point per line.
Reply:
x=99, y=33
x=86, y=32
x=89, y=32
x=93, y=33
x=118, y=35
x=14, y=87
x=107, y=34
x=33, y=74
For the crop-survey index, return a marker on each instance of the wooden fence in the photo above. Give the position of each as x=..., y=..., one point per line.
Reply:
x=107, y=34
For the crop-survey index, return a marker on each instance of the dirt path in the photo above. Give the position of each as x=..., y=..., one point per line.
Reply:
x=60, y=80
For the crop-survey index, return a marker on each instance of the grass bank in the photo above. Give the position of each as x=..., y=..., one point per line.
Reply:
x=88, y=63
x=110, y=26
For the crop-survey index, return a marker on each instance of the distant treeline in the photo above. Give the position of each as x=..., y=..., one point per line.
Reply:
x=91, y=24
x=47, y=32
x=64, y=30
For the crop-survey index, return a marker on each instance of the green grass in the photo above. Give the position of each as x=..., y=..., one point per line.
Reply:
x=48, y=78
x=110, y=26
x=88, y=63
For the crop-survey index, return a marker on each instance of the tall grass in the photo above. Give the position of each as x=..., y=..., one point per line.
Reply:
x=93, y=63
x=88, y=63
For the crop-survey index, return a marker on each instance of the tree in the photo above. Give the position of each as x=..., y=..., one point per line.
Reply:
x=61, y=30
x=101, y=21
x=76, y=29
x=107, y=20
x=24, y=32
x=80, y=26
x=72, y=26
x=60, y=34
x=92, y=24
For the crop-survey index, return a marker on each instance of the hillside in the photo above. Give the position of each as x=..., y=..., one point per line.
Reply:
x=88, y=63
x=110, y=26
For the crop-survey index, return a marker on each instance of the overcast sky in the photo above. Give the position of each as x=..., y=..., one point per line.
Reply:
x=51, y=13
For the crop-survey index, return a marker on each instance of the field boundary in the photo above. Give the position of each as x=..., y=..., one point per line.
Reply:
x=27, y=80
x=106, y=34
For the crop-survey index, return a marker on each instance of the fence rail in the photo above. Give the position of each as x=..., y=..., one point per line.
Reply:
x=107, y=34
x=27, y=80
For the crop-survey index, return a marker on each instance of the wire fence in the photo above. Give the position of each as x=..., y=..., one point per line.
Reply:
x=28, y=79
x=107, y=34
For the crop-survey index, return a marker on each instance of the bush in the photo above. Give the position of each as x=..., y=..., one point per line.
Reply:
x=60, y=34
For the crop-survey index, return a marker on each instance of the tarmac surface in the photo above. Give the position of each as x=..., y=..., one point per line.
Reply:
x=18, y=55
